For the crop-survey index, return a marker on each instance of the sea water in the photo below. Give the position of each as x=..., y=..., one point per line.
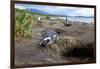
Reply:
x=80, y=19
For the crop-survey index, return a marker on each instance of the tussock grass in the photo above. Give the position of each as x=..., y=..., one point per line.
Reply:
x=70, y=46
x=64, y=44
x=67, y=42
x=23, y=23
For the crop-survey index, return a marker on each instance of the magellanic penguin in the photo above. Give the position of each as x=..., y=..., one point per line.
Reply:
x=48, y=37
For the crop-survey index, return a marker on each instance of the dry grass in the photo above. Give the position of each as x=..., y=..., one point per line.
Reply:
x=64, y=44
x=67, y=42
x=69, y=46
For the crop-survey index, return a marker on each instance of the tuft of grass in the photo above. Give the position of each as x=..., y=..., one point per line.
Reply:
x=70, y=47
x=23, y=23
x=67, y=42
x=64, y=44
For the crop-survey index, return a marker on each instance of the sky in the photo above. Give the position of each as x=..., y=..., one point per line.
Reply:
x=59, y=10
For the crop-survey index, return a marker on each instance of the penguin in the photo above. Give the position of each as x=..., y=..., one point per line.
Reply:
x=48, y=37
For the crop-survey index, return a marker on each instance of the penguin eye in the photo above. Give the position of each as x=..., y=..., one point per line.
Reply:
x=48, y=40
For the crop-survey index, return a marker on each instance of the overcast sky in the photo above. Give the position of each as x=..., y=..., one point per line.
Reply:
x=59, y=10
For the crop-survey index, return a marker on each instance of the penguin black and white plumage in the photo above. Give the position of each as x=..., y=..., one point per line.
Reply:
x=48, y=37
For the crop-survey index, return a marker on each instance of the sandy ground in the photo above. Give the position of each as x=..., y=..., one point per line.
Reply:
x=28, y=52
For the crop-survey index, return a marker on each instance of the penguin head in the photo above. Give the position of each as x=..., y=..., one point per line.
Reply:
x=45, y=41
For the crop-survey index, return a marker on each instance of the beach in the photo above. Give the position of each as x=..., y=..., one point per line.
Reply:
x=28, y=51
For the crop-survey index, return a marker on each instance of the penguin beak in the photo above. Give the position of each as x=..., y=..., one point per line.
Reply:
x=43, y=43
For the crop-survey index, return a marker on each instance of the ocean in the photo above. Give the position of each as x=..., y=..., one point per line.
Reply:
x=80, y=19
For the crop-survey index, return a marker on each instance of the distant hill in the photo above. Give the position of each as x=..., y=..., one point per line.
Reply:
x=37, y=11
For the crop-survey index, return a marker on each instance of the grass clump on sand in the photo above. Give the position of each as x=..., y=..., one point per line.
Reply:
x=67, y=42
x=23, y=23
x=64, y=44
x=69, y=46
